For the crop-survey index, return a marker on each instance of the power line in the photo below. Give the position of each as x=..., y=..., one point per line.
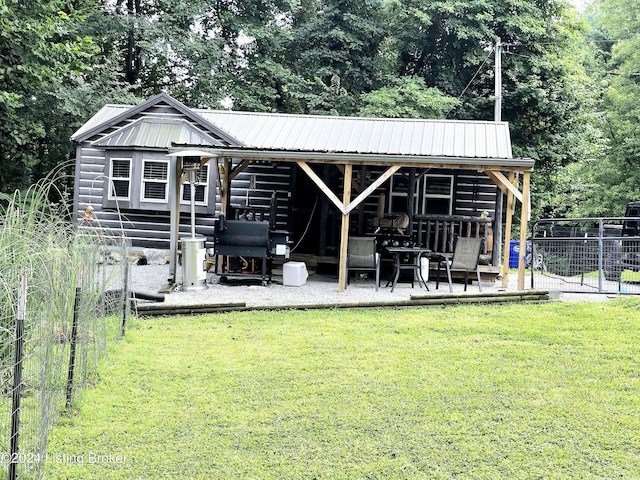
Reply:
x=614, y=72
x=567, y=42
x=472, y=78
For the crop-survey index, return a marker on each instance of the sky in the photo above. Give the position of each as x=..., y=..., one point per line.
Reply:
x=580, y=4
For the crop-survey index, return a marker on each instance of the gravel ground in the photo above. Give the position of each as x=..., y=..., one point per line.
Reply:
x=318, y=289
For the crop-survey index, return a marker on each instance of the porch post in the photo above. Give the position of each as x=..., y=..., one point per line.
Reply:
x=411, y=191
x=174, y=216
x=523, y=229
x=225, y=197
x=344, y=232
x=496, y=252
x=507, y=232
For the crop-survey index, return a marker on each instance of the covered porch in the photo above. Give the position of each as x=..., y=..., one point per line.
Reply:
x=435, y=231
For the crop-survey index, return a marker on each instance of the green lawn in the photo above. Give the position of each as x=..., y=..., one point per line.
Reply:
x=514, y=391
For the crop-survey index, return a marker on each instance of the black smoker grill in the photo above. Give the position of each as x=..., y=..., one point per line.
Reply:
x=246, y=246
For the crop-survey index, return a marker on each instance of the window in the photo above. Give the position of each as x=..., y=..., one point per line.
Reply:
x=398, y=192
x=438, y=194
x=201, y=190
x=155, y=180
x=120, y=179
x=433, y=195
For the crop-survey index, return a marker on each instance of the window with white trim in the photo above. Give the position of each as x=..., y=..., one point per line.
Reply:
x=120, y=179
x=201, y=190
x=398, y=191
x=155, y=181
x=433, y=194
x=436, y=194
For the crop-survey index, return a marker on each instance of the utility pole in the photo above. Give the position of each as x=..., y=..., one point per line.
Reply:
x=497, y=116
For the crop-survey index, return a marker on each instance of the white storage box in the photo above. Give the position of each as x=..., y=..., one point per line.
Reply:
x=294, y=274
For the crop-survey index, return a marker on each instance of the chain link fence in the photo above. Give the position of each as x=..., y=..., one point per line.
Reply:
x=585, y=255
x=63, y=300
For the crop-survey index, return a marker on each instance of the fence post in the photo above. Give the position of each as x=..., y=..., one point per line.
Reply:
x=600, y=252
x=72, y=354
x=125, y=290
x=17, y=378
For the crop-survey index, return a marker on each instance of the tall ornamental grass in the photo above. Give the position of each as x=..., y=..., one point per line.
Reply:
x=60, y=263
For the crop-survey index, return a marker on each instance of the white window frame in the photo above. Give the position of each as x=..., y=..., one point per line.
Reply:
x=204, y=184
x=394, y=194
x=424, y=197
x=112, y=179
x=160, y=181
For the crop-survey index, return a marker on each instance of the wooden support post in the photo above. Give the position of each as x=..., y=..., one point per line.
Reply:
x=174, y=216
x=524, y=219
x=363, y=185
x=344, y=232
x=507, y=232
x=225, y=180
x=410, y=199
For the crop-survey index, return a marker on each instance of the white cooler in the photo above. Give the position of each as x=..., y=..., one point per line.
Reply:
x=294, y=274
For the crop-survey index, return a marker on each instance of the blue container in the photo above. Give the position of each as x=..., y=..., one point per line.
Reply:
x=514, y=250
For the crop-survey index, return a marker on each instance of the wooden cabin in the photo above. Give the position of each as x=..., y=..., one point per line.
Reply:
x=447, y=178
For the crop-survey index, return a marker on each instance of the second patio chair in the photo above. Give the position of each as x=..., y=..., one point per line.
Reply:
x=466, y=258
x=363, y=256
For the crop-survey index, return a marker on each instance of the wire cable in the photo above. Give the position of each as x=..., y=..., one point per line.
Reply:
x=472, y=78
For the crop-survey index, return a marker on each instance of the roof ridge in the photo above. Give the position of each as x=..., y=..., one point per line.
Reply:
x=340, y=117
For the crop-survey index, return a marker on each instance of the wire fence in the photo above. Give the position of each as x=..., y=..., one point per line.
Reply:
x=63, y=300
x=585, y=255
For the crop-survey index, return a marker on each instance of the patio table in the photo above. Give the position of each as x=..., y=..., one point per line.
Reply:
x=411, y=257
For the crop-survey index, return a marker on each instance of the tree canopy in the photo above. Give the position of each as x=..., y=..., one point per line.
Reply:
x=570, y=81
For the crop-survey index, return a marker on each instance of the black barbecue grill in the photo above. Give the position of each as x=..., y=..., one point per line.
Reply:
x=247, y=247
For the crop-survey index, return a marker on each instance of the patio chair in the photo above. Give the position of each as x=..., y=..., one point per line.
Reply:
x=363, y=256
x=466, y=258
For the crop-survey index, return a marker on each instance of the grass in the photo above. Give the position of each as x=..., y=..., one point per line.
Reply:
x=630, y=276
x=483, y=392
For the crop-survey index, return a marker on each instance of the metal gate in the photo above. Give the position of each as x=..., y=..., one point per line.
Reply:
x=585, y=255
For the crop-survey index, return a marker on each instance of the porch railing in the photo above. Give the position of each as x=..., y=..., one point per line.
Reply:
x=437, y=232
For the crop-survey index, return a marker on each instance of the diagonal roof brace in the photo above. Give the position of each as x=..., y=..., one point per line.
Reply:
x=345, y=209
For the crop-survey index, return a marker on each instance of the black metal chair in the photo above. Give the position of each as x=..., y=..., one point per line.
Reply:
x=362, y=255
x=466, y=258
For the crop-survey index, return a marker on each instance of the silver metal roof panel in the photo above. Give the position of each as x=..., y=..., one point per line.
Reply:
x=270, y=131
x=474, y=139
x=156, y=133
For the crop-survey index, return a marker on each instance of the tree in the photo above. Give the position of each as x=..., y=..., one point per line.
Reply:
x=39, y=56
x=546, y=92
x=611, y=175
x=406, y=97
x=336, y=52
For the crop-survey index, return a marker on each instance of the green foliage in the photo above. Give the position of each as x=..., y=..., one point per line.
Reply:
x=39, y=55
x=406, y=97
x=478, y=392
x=336, y=52
x=61, y=61
x=610, y=176
x=547, y=96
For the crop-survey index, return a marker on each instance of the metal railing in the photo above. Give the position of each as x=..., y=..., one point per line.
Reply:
x=584, y=255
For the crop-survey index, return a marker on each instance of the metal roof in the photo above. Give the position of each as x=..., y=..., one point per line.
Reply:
x=103, y=115
x=156, y=133
x=417, y=138
x=312, y=133
x=112, y=116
